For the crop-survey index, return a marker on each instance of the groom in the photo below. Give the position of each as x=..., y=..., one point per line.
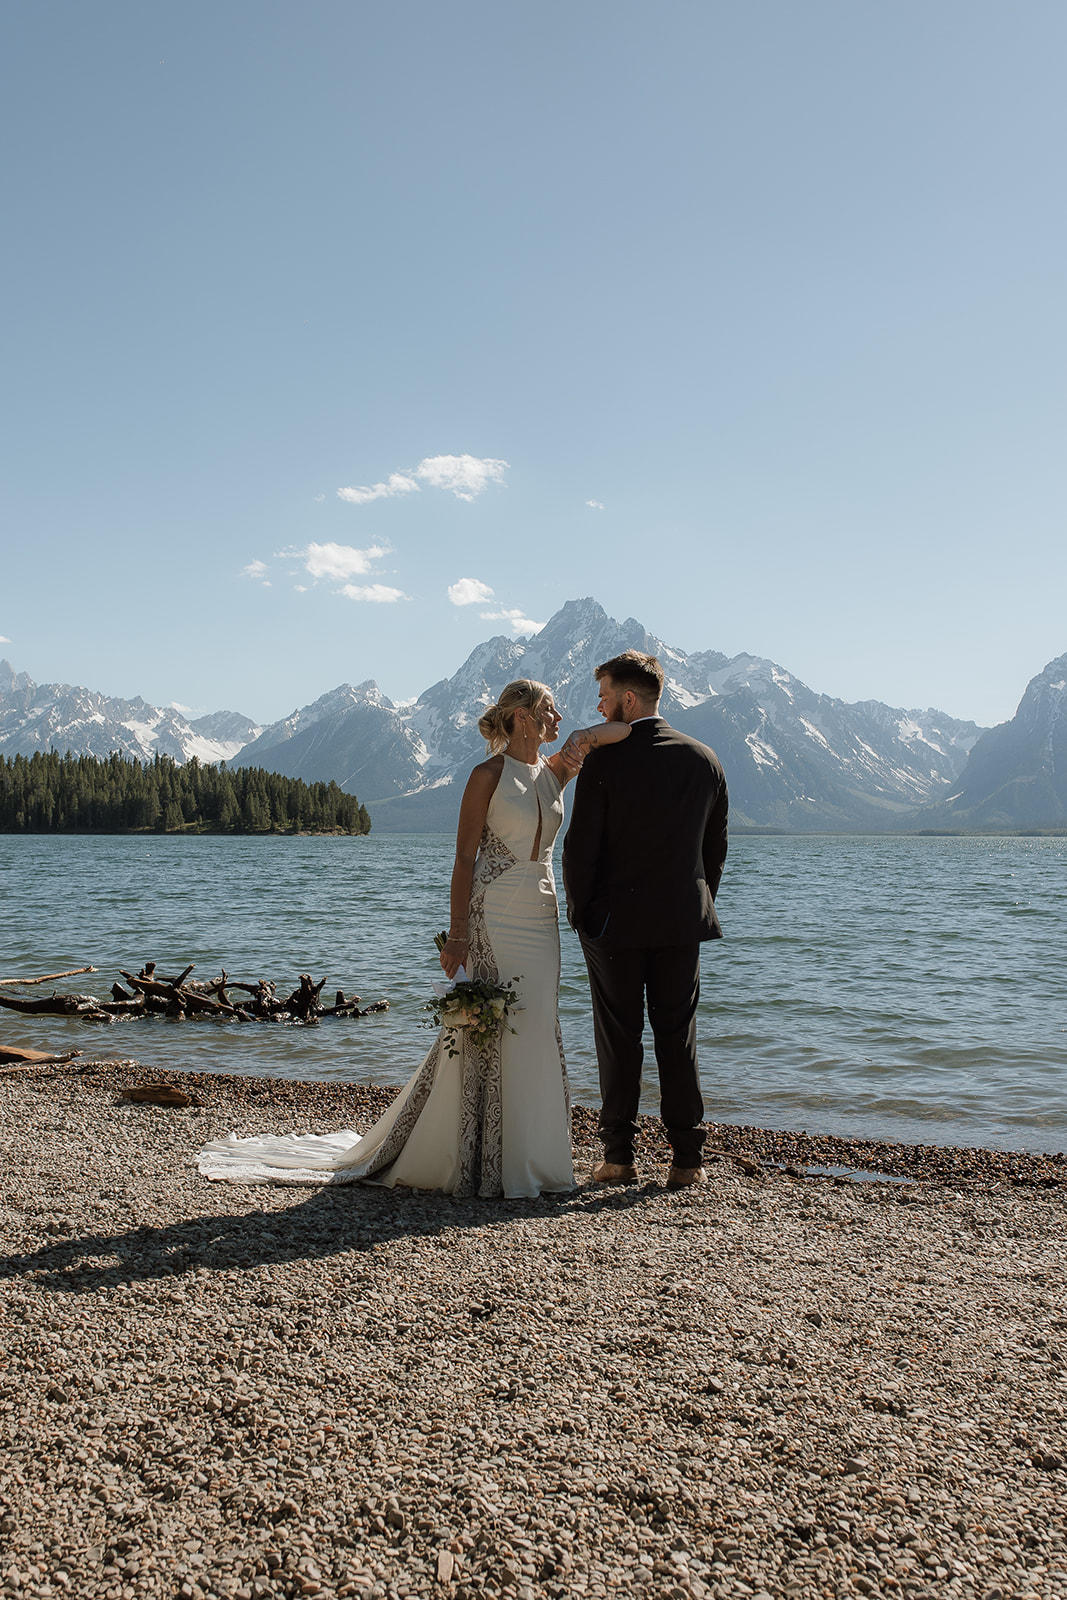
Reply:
x=642, y=861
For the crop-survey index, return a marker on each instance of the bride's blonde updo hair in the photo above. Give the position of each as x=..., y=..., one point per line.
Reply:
x=498, y=722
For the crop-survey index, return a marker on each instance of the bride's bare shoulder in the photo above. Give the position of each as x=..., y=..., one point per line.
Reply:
x=486, y=775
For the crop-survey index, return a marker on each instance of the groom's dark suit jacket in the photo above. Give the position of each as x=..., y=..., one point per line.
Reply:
x=646, y=844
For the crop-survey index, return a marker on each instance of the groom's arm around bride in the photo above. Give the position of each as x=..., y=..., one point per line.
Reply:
x=642, y=861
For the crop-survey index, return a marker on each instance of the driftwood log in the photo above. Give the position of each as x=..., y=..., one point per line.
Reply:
x=149, y=994
x=49, y=977
x=160, y=1094
x=172, y=993
x=35, y=1058
x=59, y=1005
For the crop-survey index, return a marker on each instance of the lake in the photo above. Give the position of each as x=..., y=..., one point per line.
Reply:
x=873, y=987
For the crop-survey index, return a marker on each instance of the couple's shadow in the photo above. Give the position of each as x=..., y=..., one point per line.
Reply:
x=331, y=1221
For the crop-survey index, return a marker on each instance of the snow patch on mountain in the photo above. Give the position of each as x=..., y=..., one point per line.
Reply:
x=811, y=729
x=762, y=753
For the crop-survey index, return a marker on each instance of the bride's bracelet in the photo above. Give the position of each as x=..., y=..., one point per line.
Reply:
x=458, y=938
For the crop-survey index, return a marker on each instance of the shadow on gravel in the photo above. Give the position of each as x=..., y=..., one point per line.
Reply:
x=331, y=1222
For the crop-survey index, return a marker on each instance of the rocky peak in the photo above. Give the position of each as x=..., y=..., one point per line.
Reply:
x=1042, y=705
x=1016, y=774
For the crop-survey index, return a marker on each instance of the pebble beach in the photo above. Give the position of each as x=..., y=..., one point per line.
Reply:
x=838, y=1368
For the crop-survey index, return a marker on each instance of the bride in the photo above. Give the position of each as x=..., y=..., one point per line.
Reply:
x=493, y=1118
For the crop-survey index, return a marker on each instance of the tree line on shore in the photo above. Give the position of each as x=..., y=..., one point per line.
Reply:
x=50, y=793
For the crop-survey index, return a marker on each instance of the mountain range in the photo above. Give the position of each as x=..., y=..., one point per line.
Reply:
x=795, y=759
x=57, y=716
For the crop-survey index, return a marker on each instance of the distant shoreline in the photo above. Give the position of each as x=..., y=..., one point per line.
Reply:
x=737, y=831
x=179, y=833
x=1052, y=830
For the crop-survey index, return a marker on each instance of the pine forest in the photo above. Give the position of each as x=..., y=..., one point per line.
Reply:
x=80, y=794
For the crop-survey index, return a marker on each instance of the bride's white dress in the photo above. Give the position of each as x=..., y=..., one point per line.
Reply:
x=489, y=1121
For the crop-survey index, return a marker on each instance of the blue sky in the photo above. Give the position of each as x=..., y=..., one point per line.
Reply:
x=746, y=319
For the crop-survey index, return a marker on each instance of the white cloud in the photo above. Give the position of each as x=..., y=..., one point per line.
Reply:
x=337, y=561
x=473, y=592
x=319, y=498
x=397, y=483
x=520, y=625
x=595, y=505
x=186, y=711
x=4, y=639
x=469, y=592
x=378, y=593
x=335, y=564
x=465, y=476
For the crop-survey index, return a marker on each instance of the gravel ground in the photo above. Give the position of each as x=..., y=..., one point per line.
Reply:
x=774, y=1385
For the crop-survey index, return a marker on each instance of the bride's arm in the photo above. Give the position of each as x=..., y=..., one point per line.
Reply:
x=568, y=759
x=481, y=786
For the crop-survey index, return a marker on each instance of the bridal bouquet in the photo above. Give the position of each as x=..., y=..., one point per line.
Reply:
x=474, y=1005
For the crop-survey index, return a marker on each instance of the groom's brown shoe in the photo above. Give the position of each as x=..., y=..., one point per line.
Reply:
x=614, y=1172
x=685, y=1177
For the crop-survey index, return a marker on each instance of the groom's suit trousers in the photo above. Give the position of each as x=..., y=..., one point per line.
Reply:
x=621, y=981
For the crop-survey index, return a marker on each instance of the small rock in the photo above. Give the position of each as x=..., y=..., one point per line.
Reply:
x=748, y=1163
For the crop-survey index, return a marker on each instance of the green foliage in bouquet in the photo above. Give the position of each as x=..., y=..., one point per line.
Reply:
x=476, y=1007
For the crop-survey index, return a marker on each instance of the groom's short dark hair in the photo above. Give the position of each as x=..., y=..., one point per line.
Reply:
x=634, y=670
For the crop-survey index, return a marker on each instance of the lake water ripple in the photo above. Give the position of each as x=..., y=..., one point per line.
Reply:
x=893, y=988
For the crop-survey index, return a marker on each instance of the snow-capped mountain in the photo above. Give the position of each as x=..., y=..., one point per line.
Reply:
x=793, y=758
x=353, y=735
x=57, y=716
x=1017, y=772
